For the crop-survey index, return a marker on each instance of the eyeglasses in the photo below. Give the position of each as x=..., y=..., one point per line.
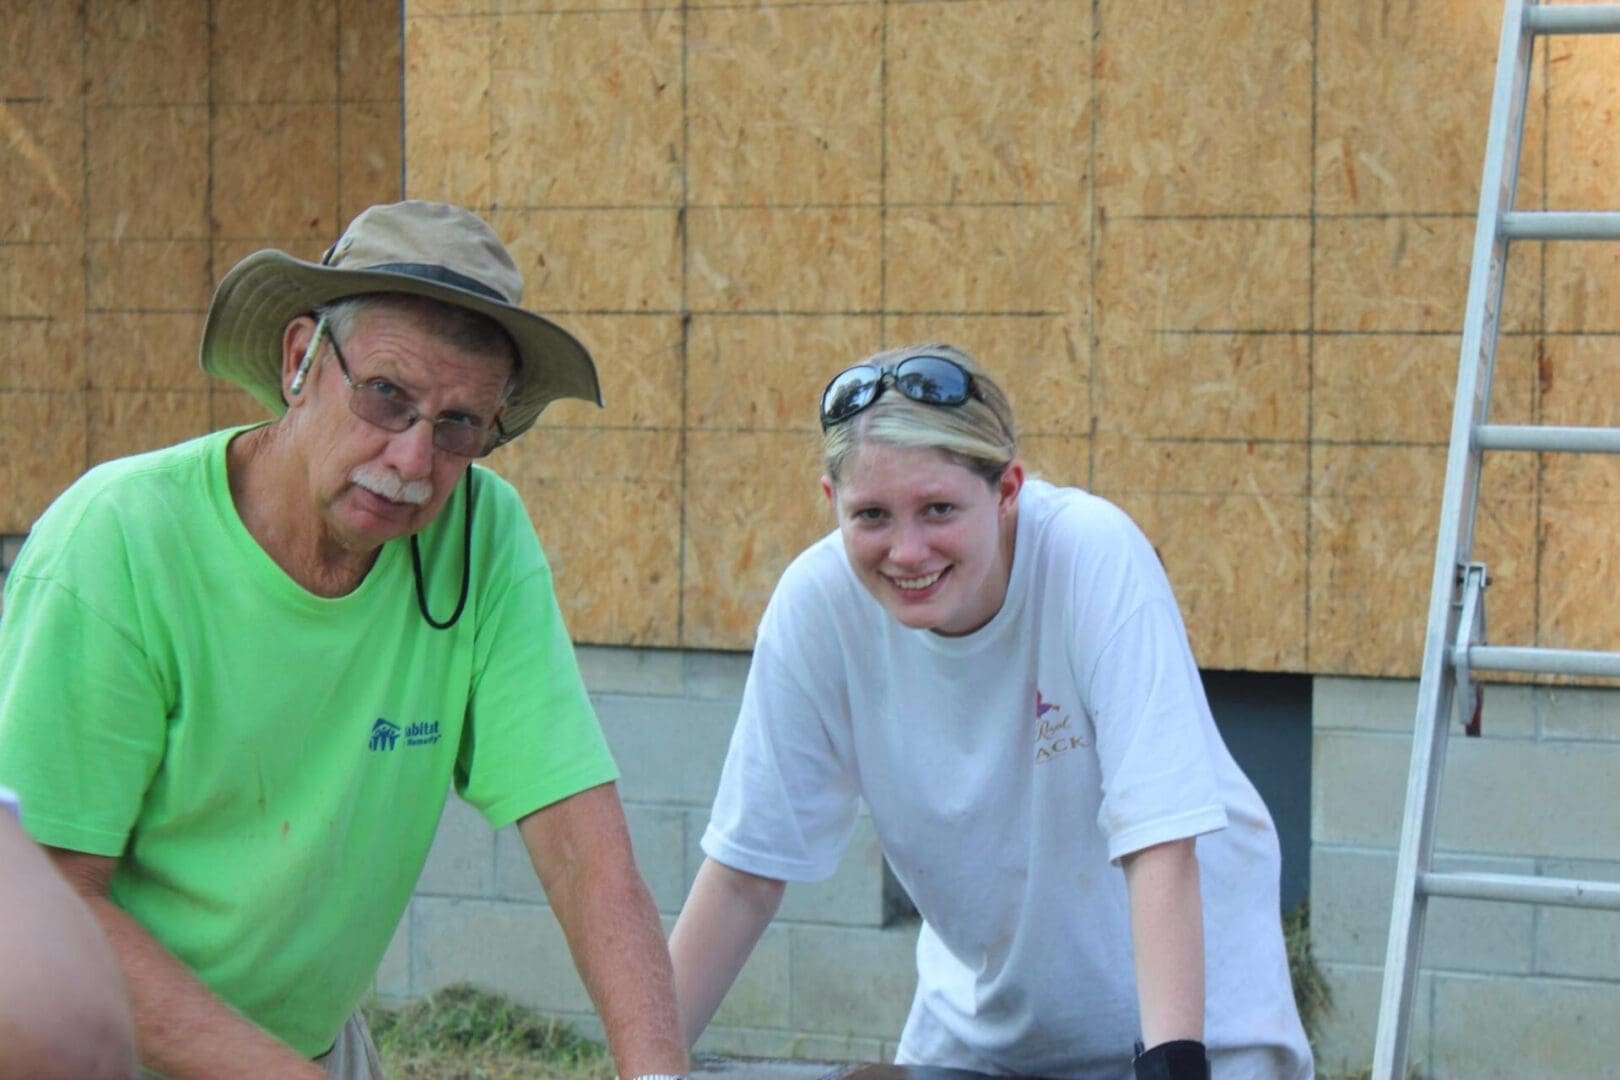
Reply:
x=378, y=401
x=928, y=380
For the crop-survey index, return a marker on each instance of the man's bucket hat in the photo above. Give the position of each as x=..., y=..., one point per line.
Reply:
x=421, y=248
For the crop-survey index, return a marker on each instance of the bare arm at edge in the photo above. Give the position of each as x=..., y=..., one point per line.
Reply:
x=580, y=847
x=182, y=1029
x=1167, y=931
x=63, y=1013
x=719, y=925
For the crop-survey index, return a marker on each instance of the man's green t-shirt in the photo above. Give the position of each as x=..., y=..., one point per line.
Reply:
x=270, y=764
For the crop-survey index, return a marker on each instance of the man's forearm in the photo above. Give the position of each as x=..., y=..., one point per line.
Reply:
x=581, y=851
x=182, y=1029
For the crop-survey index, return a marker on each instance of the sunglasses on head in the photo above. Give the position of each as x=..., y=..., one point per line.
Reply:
x=928, y=380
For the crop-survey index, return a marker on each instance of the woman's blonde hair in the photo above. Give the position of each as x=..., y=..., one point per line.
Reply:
x=979, y=434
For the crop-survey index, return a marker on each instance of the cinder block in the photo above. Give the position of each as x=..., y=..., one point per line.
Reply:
x=1514, y=796
x=1346, y=704
x=716, y=676
x=1351, y=894
x=1390, y=705
x=1345, y=1038
x=669, y=750
x=853, y=981
x=1489, y=1028
x=760, y=996
x=514, y=949
x=656, y=835
x=392, y=982
x=1577, y=942
x=610, y=670
x=462, y=859
x=1580, y=713
x=1358, y=787
x=853, y=896
x=1559, y=800
x=515, y=878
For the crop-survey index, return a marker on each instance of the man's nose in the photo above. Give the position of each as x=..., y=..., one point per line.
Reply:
x=410, y=452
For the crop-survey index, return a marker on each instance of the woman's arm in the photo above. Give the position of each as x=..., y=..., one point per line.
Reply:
x=1167, y=931
x=724, y=915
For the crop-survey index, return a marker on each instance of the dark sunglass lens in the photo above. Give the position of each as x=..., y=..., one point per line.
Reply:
x=849, y=393
x=932, y=380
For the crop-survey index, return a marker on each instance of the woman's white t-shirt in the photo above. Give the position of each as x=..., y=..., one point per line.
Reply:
x=1006, y=772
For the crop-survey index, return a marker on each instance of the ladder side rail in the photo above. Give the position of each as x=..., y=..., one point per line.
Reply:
x=1437, y=683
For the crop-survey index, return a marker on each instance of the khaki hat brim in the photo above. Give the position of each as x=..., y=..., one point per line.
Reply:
x=253, y=304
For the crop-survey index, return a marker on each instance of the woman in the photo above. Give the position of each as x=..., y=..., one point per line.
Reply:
x=997, y=667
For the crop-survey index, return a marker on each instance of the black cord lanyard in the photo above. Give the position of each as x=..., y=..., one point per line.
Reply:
x=466, y=567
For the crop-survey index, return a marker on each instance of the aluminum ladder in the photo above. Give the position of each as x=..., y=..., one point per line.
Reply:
x=1454, y=643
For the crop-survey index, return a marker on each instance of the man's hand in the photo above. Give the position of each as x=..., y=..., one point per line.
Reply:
x=580, y=848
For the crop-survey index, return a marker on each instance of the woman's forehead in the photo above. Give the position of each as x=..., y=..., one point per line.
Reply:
x=906, y=469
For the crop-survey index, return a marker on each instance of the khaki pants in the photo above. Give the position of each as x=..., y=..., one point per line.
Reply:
x=353, y=1056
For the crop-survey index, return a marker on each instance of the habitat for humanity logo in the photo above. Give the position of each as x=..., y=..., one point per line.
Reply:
x=384, y=734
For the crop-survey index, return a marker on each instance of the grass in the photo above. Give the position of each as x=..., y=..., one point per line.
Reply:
x=464, y=1033
x=1311, y=991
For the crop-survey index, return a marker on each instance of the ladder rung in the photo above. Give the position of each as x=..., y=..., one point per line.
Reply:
x=1569, y=440
x=1543, y=661
x=1522, y=889
x=1561, y=225
x=1573, y=18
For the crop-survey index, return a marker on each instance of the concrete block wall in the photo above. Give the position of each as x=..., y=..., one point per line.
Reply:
x=1506, y=990
x=833, y=975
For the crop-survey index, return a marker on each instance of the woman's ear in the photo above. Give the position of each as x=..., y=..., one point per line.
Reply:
x=1010, y=483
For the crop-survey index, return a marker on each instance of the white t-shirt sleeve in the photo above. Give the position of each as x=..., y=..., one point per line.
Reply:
x=787, y=802
x=1147, y=703
x=8, y=802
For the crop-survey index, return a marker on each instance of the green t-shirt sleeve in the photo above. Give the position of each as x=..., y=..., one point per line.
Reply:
x=531, y=736
x=81, y=715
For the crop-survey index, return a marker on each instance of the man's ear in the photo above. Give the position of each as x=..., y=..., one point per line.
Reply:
x=299, y=343
x=827, y=490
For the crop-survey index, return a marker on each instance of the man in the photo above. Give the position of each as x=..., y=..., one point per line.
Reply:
x=238, y=675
